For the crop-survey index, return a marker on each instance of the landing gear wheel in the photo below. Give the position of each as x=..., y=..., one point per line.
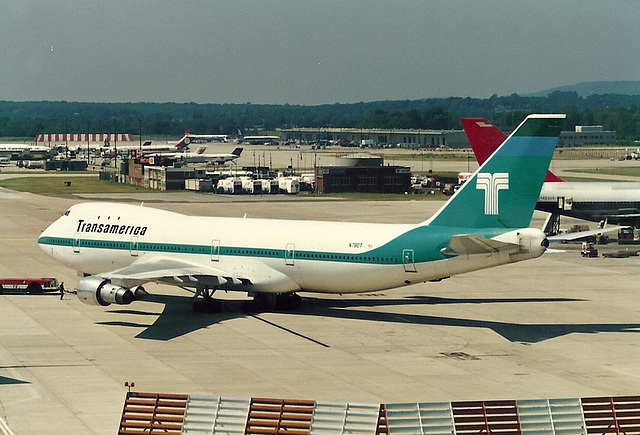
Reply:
x=252, y=307
x=288, y=302
x=272, y=302
x=207, y=304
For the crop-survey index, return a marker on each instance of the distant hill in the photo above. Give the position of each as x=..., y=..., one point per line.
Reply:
x=585, y=89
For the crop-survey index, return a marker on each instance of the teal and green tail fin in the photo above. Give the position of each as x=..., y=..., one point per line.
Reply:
x=503, y=192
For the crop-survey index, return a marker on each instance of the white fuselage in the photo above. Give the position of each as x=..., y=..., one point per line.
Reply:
x=616, y=202
x=262, y=255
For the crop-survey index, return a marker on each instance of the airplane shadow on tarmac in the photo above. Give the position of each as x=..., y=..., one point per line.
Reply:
x=178, y=319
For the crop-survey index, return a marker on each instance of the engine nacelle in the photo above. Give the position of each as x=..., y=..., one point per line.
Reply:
x=94, y=290
x=532, y=242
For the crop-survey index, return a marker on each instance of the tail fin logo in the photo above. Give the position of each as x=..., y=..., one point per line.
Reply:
x=492, y=184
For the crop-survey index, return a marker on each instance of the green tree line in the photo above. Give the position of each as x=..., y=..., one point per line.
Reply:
x=620, y=113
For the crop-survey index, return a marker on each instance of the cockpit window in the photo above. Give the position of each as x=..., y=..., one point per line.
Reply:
x=66, y=213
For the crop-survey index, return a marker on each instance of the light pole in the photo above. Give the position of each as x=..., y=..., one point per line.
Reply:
x=129, y=385
x=66, y=137
x=115, y=145
x=140, y=134
x=88, y=147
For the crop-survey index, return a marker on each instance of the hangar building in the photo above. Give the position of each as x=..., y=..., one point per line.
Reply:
x=586, y=135
x=380, y=137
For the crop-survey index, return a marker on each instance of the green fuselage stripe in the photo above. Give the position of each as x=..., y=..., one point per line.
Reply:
x=424, y=242
x=231, y=251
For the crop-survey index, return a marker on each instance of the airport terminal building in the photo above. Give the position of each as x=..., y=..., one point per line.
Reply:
x=362, y=173
x=587, y=135
x=380, y=137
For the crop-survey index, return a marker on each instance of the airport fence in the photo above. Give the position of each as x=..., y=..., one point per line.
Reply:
x=170, y=414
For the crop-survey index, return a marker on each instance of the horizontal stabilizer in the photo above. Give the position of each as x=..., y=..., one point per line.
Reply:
x=469, y=244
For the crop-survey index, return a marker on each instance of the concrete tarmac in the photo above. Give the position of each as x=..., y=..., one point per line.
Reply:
x=557, y=326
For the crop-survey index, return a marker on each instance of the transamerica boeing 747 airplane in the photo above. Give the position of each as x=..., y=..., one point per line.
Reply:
x=120, y=247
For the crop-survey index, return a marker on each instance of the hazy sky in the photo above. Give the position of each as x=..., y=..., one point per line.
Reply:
x=309, y=51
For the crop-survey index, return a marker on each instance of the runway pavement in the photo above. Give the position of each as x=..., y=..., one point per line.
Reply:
x=558, y=326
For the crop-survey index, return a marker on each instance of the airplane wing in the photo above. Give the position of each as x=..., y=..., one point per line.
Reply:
x=183, y=273
x=158, y=268
x=468, y=244
x=565, y=237
x=624, y=215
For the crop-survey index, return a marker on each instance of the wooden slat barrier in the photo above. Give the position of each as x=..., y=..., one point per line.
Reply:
x=490, y=417
x=612, y=415
x=279, y=416
x=152, y=413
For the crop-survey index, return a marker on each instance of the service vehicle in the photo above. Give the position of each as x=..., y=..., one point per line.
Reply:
x=629, y=236
x=31, y=285
x=589, y=249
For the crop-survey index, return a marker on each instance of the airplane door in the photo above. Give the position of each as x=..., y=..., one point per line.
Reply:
x=76, y=243
x=568, y=203
x=408, y=260
x=565, y=203
x=289, y=254
x=215, y=250
x=133, y=248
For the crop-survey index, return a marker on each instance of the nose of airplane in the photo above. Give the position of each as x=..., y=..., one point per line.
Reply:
x=50, y=237
x=45, y=239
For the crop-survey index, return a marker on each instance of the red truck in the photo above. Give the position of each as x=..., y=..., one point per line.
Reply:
x=31, y=285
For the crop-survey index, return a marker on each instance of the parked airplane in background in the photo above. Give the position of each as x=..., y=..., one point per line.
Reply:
x=484, y=224
x=613, y=202
x=189, y=139
x=25, y=151
x=257, y=140
x=200, y=156
x=148, y=148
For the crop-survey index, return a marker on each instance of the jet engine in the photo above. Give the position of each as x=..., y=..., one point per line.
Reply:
x=532, y=242
x=94, y=290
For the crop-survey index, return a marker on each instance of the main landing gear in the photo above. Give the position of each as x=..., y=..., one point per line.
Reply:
x=272, y=302
x=207, y=304
x=260, y=302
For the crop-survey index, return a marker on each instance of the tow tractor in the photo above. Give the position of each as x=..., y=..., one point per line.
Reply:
x=589, y=249
x=31, y=285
